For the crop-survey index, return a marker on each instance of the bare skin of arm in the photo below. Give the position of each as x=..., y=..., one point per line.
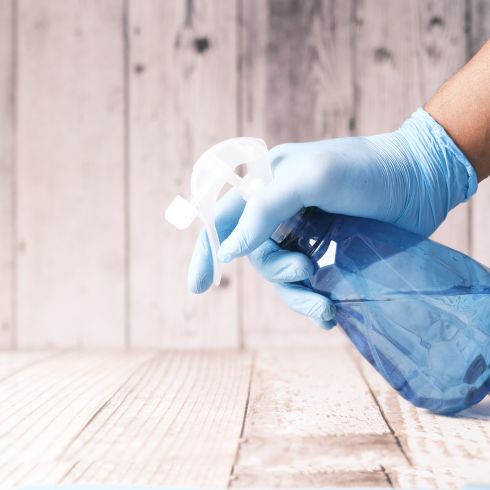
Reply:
x=462, y=107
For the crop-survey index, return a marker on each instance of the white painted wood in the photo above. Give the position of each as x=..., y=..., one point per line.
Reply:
x=300, y=73
x=71, y=258
x=6, y=173
x=312, y=421
x=480, y=234
x=47, y=473
x=445, y=452
x=405, y=51
x=175, y=424
x=286, y=328
x=183, y=90
x=296, y=85
x=480, y=238
x=175, y=419
x=442, y=52
x=12, y=361
x=46, y=406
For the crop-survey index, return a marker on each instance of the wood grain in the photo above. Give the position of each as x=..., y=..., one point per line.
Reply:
x=183, y=89
x=12, y=361
x=106, y=105
x=7, y=172
x=480, y=237
x=446, y=452
x=402, y=57
x=296, y=85
x=312, y=421
x=46, y=406
x=71, y=283
x=177, y=423
x=207, y=420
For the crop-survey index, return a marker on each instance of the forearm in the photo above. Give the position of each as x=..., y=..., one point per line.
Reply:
x=462, y=107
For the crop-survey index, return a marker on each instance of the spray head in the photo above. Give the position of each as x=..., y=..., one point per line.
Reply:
x=214, y=169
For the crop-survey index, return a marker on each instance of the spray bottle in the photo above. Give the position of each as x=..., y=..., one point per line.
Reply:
x=418, y=311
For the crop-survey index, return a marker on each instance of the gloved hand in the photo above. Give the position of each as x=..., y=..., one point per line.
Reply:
x=411, y=177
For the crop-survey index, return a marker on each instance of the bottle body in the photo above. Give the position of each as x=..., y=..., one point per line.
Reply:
x=419, y=312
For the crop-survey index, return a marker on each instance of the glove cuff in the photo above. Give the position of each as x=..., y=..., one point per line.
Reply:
x=453, y=156
x=438, y=169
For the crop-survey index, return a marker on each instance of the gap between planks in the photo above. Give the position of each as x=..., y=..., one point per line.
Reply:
x=225, y=418
x=443, y=451
x=124, y=418
x=192, y=419
x=311, y=421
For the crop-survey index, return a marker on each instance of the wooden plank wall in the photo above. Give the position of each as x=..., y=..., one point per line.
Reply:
x=7, y=123
x=402, y=57
x=480, y=237
x=297, y=86
x=106, y=104
x=182, y=99
x=70, y=173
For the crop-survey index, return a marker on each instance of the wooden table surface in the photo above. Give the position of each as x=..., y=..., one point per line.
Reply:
x=226, y=418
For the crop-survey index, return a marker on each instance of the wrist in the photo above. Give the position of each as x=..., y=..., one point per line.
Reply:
x=462, y=107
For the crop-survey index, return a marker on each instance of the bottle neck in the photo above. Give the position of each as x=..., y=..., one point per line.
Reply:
x=304, y=232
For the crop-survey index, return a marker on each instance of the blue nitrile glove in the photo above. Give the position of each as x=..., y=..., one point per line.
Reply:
x=411, y=177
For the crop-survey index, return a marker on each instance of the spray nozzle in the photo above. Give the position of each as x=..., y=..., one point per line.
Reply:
x=214, y=169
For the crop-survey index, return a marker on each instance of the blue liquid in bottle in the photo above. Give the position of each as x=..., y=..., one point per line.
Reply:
x=418, y=311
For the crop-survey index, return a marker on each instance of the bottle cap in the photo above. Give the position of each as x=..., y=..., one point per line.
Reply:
x=215, y=168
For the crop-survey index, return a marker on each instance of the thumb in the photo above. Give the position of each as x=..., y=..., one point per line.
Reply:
x=263, y=213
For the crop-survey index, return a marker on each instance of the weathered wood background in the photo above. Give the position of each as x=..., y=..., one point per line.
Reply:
x=104, y=106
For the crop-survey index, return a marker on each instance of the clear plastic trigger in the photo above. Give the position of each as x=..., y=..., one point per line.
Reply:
x=214, y=169
x=214, y=243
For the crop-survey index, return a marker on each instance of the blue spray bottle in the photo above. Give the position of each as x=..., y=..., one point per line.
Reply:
x=418, y=311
